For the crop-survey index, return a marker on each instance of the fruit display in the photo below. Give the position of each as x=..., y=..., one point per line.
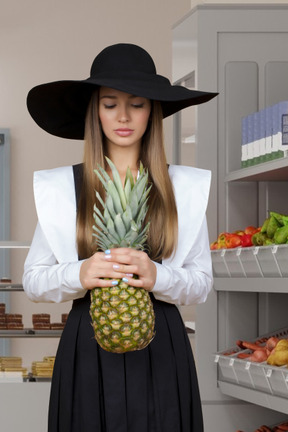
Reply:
x=247, y=365
x=279, y=355
x=274, y=230
x=122, y=316
x=273, y=350
x=240, y=238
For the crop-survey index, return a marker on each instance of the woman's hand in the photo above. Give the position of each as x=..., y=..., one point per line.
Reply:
x=120, y=263
x=94, y=269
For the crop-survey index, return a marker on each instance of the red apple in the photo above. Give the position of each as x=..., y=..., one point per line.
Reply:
x=221, y=240
x=238, y=232
x=214, y=245
x=233, y=241
x=246, y=240
x=250, y=230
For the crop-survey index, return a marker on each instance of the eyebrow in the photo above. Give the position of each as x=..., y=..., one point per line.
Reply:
x=115, y=97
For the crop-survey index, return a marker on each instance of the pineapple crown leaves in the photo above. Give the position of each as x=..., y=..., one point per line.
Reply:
x=124, y=211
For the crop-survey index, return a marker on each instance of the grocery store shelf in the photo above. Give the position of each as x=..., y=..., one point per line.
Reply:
x=256, y=382
x=251, y=262
x=10, y=287
x=14, y=244
x=30, y=333
x=276, y=170
x=17, y=377
x=260, y=285
x=254, y=396
x=34, y=378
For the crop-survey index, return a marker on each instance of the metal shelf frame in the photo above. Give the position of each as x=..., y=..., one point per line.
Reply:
x=30, y=333
x=276, y=170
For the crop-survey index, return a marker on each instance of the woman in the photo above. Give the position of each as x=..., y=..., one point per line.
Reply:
x=119, y=110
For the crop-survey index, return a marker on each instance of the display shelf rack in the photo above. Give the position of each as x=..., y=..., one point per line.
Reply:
x=251, y=262
x=260, y=285
x=8, y=287
x=276, y=170
x=252, y=379
x=17, y=377
x=254, y=396
x=10, y=244
x=35, y=378
x=30, y=333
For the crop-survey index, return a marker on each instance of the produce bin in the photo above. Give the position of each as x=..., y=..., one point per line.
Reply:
x=233, y=261
x=226, y=368
x=256, y=261
x=250, y=263
x=268, y=262
x=243, y=373
x=278, y=379
x=281, y=255
x=219, y=265
x=260, y=376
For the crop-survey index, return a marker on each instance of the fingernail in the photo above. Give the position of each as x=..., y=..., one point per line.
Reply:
x=116, y=266
x=124, y=279
x=129, y=274
x=114, y=282
x=107, y=252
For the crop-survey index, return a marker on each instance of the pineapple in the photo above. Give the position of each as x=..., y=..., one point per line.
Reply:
x=122, y=316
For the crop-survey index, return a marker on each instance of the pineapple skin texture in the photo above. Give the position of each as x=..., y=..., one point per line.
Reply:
x=122, y=318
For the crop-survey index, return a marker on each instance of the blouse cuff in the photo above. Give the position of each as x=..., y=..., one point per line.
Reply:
x=162, y=289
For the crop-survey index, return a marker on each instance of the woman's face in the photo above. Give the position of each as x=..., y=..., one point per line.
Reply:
x=123, y=117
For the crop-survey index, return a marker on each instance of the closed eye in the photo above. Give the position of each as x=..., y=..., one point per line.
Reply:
x=109, y=106
x=138, y=105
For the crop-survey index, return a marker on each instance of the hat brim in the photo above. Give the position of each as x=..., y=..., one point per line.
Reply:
x=60, y=107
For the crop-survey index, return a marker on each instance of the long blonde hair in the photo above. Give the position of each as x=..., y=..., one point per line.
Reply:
x=162, y=213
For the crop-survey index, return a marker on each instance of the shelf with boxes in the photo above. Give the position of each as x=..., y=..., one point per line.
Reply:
x=265, y=134
x=276, y=170
x=12, y=326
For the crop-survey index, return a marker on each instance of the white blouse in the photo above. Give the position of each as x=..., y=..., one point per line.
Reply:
x=51, y=270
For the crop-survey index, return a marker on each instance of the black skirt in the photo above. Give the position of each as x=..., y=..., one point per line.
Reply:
x=151, y=390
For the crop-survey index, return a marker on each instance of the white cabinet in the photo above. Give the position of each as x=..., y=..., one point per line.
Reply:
x=239, y=51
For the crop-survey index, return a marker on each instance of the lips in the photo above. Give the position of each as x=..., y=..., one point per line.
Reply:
x=124, y=132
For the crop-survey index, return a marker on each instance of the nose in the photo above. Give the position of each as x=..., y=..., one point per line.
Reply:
x=124, y=114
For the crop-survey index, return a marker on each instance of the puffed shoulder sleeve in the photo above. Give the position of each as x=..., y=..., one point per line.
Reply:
x=47, y=280
x=51, y=270
x=186, y=277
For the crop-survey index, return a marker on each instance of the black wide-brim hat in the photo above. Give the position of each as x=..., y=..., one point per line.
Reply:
x=60, y=107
